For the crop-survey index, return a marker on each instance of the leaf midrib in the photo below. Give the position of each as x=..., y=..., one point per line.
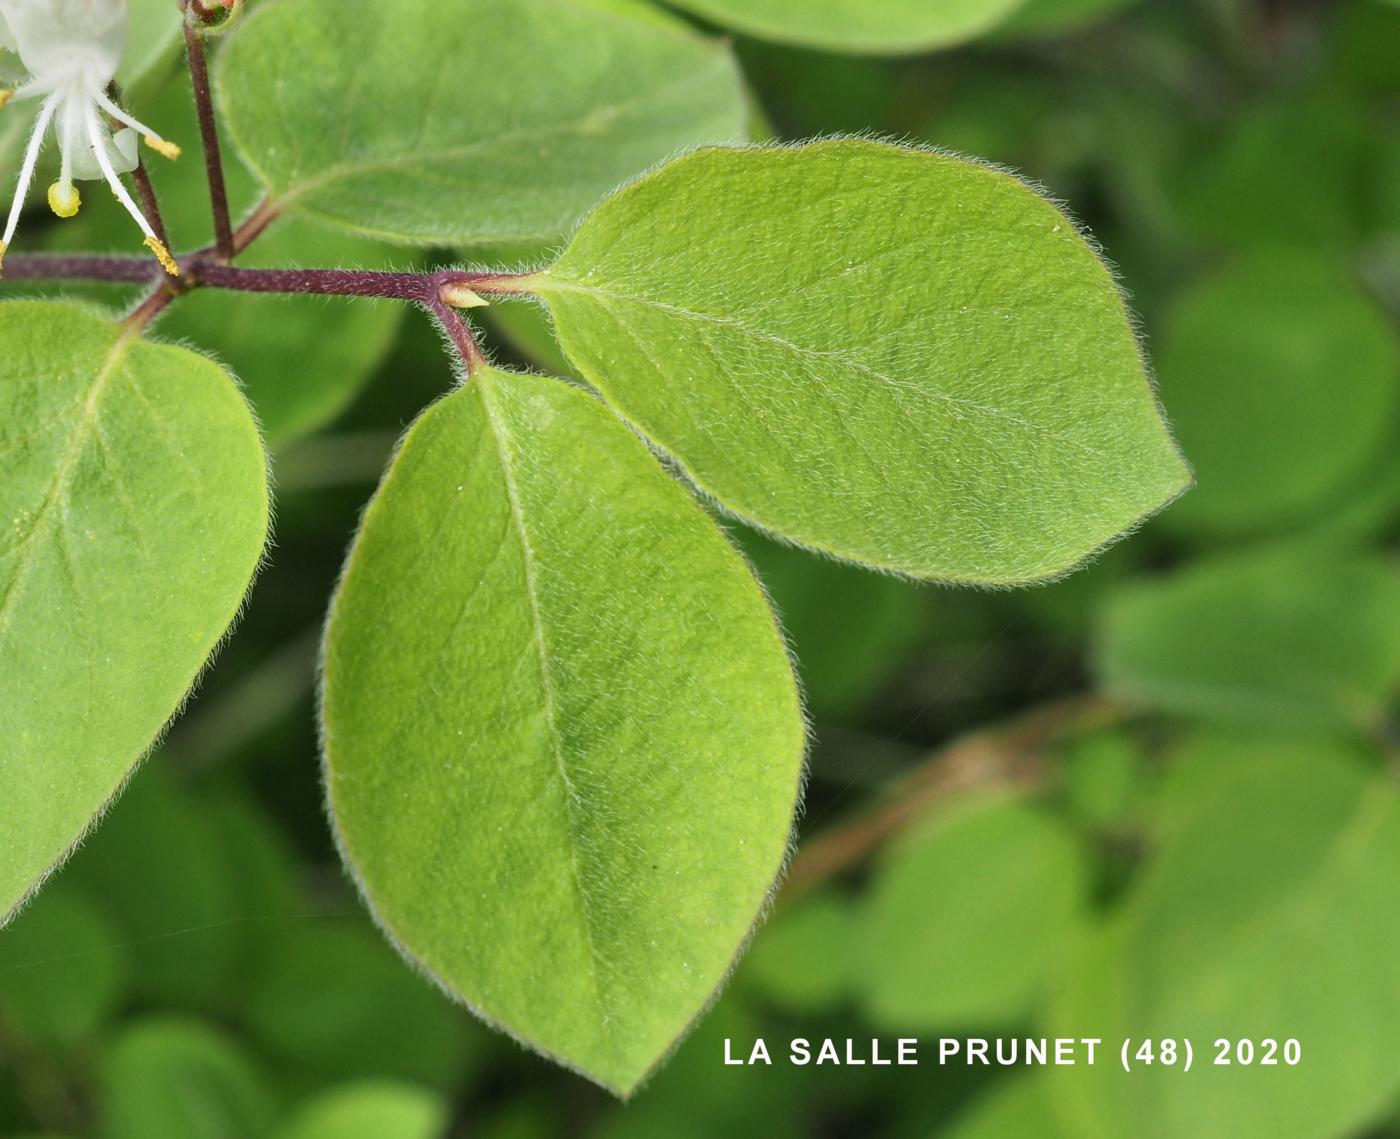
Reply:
x=550, y=699
x=59, y=487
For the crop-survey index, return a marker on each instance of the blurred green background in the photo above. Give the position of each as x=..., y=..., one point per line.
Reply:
x=1155, y=800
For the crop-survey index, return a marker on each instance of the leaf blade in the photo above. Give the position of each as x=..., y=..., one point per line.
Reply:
x=886, y=354
x=122, y=464
x=490, y=160
x=576, y=630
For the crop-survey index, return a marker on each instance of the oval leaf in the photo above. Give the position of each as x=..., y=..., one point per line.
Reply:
x=562, y=736
x=876, y=27
x=888, y=354
x=1268, y=913
x=133, y=492
x=441, y=142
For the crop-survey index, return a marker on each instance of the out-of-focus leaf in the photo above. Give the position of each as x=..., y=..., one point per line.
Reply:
x=1271, y=912
x=180, y=1078
x=1282, y=379
x=370, y=1110
x=848, y=628
x=1283, y=637
x=803, y=959
x=1102, y=777
x=329, y=998
x=968, y=916
x=1018, y=1107
x=1292, y=170
x=62, y=969
x=160, y=875
x=875, y=27
x=1058, y=17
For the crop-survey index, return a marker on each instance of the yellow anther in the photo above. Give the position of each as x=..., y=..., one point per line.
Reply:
x=65, y=201
x=3, y=247
x=5, y=97
x=163, y=147
x=459, y=296
x=163, y=256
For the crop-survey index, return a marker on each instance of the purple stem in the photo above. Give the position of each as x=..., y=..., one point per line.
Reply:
x=59, y=266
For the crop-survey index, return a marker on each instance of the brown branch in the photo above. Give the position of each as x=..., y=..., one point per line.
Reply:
x=1011, y=754
x=209, y=138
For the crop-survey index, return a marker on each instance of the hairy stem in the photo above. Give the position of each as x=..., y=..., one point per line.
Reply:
x=459, y=332
x=209, y=138
x=82, y=267
x=1011, y=754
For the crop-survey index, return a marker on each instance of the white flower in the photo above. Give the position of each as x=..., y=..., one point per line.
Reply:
x=70, y=50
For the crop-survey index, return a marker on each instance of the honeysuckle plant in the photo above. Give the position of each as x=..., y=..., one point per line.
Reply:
x=562, y=740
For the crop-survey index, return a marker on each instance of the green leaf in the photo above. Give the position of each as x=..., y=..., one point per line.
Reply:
x=876, y=27
x=174, y=1077
x=803, y=959
x=1270, y=912
x=133, y=499
x=62, y=970
x=261, y=339
x=1014, y=1108
x=968, y=916
x=160, y=875
x=555, y=700
x=887, y=354
x=331, y=1000
x=380, y=1108
x=1059, y=17
x=1290, y=170
x=440, y=141
x=849, y=629
x=1283, y=637
x=1282, y=377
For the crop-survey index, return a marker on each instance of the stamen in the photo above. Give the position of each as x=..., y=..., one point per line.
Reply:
x=65, y=201
x=5, y=97
x=99, y=147
x=160, y=145
x=156, y=246
x=163, y=146
x=459, y=296
x=26, y=173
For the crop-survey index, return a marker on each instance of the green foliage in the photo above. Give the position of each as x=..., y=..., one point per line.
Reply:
x=1055, y=17
x=1018, y=1108
x=968, y=917
x=933, y=374
x=157, y=870
x=1251, y=360
x=848, y=628
x=620, y=740
x=122, y=464
x=440, y=142
x=1287, y=637
x=562, y=737
x=380, y=1109
x=62, y=971
x=175, y=1077
x=804, y=958
x=332, y=1000
x=1268, y=913
x=873, y=26
x=1292, y=170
